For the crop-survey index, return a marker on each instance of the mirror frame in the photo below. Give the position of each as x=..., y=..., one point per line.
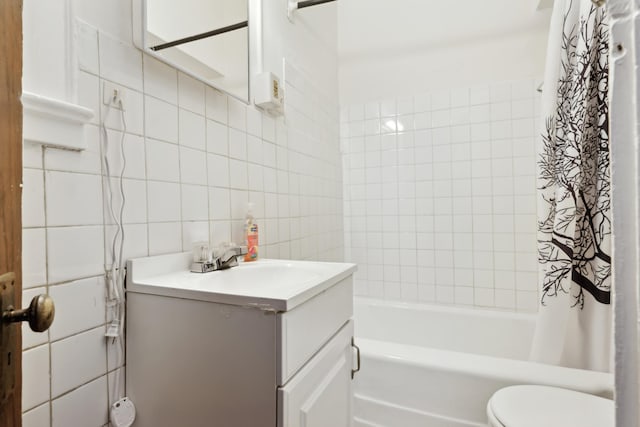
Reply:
x=139, y=20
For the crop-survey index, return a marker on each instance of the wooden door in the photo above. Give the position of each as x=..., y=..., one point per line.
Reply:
x=11, y=197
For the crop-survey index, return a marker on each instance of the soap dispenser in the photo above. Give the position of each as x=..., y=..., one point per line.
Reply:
x=251, y=235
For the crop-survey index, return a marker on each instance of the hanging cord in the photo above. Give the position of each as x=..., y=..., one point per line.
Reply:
x=116, y=272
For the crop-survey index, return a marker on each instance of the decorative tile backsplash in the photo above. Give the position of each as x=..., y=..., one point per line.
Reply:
x=440, y=196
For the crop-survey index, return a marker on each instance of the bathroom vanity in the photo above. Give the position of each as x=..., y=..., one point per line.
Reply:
x=267, y=343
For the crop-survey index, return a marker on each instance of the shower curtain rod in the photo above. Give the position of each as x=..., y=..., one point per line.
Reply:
x=201, y=36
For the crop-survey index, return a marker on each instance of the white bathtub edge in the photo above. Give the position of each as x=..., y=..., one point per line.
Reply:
x=408, y=417
x=480, y=311
x=525, y=372
x=464, y=329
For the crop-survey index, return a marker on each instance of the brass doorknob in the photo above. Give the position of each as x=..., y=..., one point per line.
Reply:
x=39, y=314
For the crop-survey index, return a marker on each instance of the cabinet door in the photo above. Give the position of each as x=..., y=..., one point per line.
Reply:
x=319, y=395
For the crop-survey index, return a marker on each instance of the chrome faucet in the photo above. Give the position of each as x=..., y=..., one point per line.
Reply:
x=227, y=257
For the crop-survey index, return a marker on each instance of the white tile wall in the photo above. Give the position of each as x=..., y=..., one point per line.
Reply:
x=134, y=149
x=160, y=79
x=165, y=237
x=440, y=196
x=35, y=372
x=33, y=199
x=74, y=252
x=70, y=367
x=163, y=162
x=191, y=94
x=73, y=199
x=37, y=417
x=34, y=266
x=192, y=130
x=67, y=161
x=83, y=406
x=161, y=119
x=194, y=158
x=80, y=306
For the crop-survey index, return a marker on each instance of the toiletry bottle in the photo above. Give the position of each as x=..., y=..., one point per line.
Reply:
x=251, y=235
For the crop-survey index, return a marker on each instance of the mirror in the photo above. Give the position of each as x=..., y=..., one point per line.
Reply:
x=207, y=39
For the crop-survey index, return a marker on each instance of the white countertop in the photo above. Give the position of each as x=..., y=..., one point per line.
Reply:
x=274, y=285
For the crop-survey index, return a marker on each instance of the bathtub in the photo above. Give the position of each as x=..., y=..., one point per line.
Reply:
x=434, y=366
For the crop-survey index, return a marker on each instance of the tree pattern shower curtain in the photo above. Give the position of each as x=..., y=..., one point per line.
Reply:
x=574, y=192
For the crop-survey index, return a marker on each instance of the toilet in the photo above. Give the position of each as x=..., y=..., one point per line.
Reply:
x=543, y=406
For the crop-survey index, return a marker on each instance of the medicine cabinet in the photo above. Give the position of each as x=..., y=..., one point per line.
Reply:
x=206, y=39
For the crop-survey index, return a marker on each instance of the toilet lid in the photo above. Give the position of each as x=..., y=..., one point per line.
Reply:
x=535, y=406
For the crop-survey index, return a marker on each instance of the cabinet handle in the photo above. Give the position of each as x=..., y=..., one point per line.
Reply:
x=353, y=371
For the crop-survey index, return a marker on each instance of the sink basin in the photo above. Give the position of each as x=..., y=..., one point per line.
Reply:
x=275, y=285
x=268, y=273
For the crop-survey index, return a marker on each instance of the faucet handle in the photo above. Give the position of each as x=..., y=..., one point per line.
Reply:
x=231, y=253
x=228, y=247
x=240, y=250
x=201, y=252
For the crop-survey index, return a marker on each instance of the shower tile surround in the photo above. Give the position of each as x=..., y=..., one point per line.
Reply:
x=440, y=196
x=195, y=157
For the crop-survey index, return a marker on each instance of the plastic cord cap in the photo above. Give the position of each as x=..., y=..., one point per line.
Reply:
x=123, y=413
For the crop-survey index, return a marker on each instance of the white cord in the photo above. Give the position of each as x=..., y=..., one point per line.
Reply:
x=116, y=274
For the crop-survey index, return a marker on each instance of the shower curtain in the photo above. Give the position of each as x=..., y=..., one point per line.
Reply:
x=574, y=193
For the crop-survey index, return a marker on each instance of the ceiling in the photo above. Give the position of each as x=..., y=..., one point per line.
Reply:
x=372, y=26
